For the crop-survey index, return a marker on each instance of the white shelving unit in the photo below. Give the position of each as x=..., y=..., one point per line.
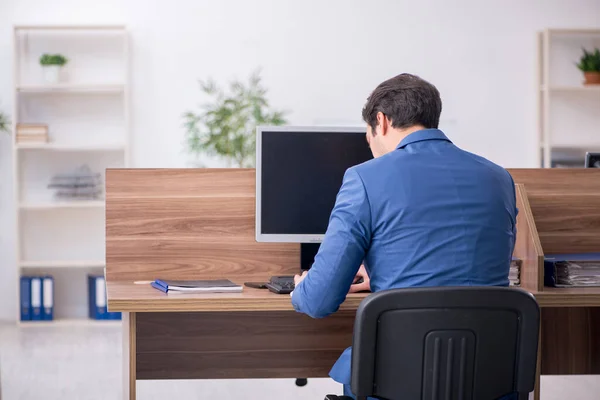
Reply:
x=87, y=114
x=569, y=111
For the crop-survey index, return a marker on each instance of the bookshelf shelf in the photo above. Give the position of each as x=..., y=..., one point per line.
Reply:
x=52, y=205
x=72, y=88
x=69, y=132
x=70, y=322
x=70, y=147
x=74, y=28
x=63, y=264
x=575, y=89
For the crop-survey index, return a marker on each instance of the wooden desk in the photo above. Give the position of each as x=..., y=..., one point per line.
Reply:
x=257, y=334
x=132, y=297
x=199, y=224
x=141, y=297
x=253, y=334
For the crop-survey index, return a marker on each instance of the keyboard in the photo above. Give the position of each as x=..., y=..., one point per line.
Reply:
x=281, y=284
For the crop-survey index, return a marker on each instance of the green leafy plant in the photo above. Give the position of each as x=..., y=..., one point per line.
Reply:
x=590, y=61
x=226, y=125
x=53, y=59
x=4, y=122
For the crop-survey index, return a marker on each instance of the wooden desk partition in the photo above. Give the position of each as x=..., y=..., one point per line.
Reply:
x=566, y=207
x=199, y=224
x=527, y=246
x=565, y=204
x=187, y=224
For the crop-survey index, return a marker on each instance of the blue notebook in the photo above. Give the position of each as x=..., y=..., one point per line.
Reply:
x=200, y=286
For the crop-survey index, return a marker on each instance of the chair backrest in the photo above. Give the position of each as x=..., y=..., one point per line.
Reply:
x=467, y=343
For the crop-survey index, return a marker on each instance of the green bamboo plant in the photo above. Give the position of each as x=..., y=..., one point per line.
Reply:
x=226, y=125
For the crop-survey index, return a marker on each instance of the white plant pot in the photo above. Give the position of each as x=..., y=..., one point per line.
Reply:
x=51, y=73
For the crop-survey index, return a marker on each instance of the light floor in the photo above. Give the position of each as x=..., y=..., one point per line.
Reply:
x=84, y=362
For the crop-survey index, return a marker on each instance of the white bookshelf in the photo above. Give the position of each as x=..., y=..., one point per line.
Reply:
x=87, y=114
x=581, y=89
x=569, y=111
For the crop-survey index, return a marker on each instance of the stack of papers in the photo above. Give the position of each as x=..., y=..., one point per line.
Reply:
x=514, y=273
x=80, y=184
x=577, y=273
x=205, y=286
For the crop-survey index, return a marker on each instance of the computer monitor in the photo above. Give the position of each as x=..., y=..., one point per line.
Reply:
x=299, y=171
x=592, y=160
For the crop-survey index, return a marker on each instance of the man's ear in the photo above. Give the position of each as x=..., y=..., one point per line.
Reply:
x=384, y=122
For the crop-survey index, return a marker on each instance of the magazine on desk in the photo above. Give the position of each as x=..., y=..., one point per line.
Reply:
x=198, y=286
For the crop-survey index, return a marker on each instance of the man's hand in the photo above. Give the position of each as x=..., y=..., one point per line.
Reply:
x=299, y=278
x=363, y=286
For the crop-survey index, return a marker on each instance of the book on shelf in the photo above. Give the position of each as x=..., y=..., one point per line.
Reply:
x=32, y=133
x=32, y=139
x=32, y=129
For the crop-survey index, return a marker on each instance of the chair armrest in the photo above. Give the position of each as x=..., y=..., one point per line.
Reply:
x=335, y=397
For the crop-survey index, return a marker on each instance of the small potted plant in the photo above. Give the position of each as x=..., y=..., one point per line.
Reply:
x=589, y=64
x=52, y=65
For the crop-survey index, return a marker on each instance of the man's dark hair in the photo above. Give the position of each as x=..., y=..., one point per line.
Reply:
x=406, y=100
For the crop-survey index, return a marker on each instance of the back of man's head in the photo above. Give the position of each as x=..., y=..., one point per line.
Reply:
x=407, y=101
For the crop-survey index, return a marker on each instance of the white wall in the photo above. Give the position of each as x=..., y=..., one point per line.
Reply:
x=320, y=60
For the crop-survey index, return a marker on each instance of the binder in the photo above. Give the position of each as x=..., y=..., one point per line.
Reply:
x=36, y=299
x=113, y=315
x=48, y=298
x=552, y=262
x=25, y=298
x=97, y=297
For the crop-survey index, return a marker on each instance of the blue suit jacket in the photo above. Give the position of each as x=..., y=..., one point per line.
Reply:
x=426, y=214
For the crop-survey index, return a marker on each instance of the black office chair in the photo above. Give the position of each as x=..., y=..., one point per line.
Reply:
x=467, y=343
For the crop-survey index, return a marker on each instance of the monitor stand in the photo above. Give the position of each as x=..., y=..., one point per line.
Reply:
x=308, y=251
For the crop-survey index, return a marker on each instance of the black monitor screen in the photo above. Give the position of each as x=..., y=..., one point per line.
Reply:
x=301, y=174
x=592, y=160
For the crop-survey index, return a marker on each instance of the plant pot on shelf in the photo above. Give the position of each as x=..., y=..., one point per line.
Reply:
x=592, y=78
x=51, y=73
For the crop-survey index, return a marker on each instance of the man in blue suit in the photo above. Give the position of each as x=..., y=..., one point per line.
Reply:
x=423, y=212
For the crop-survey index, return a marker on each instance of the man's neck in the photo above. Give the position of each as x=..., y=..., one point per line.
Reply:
x=401, y=134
